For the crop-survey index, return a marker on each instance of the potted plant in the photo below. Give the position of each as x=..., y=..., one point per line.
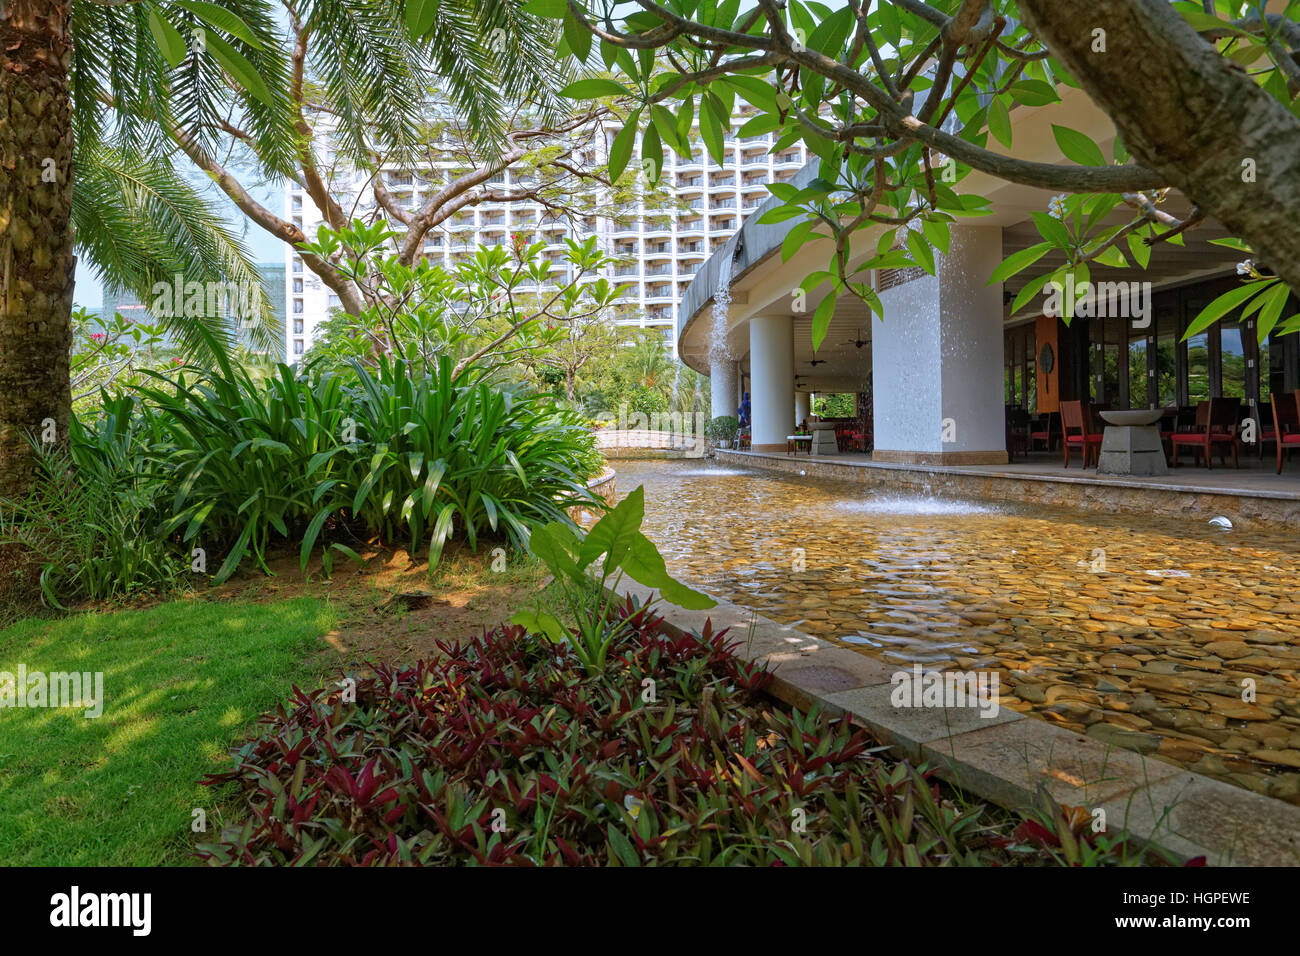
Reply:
x=723, y=430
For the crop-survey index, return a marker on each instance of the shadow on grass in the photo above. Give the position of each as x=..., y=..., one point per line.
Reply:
x=182, y=683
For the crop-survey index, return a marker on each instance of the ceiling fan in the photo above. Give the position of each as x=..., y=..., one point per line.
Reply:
x=858, y=342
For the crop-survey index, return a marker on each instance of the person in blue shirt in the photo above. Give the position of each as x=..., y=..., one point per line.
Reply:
x=742, y=412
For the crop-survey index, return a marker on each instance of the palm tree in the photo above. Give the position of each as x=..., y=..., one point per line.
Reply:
x=648, y=360
x=79, y=179
x=117, y=90
x=36, y=262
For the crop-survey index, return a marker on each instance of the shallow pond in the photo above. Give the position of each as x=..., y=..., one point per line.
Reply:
x=1136, y=631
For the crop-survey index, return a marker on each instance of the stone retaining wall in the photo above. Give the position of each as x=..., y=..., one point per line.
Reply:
x=1245, y=509
x=646, y=444
x=605, y=487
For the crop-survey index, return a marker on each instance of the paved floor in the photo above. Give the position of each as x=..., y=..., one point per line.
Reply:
x=1252, y=478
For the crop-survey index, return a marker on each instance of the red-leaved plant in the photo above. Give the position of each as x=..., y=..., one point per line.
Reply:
x=505, y=749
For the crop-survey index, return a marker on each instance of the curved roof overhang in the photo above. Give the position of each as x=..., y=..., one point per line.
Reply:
x=763, y=284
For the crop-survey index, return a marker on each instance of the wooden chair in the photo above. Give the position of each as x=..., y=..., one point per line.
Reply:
x=1018, y=428
x=1076, y=417
x=1047, y=430
x=1216, y=424
x=1265, y=428
x=1286, y=423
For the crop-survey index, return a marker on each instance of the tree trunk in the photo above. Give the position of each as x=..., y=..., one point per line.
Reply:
x=36, y=243
x=1188, y=113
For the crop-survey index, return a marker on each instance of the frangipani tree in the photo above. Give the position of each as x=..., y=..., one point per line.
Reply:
x=899, y=100
x=500, y=308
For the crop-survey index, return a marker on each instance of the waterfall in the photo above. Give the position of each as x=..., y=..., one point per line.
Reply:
x=721, y=304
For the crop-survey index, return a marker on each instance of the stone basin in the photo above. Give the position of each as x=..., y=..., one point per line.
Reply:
x=1134, y=416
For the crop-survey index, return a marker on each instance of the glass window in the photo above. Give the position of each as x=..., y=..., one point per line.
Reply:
x=1019, y=374
x=1272, y=367
x=1116, y=337
x=1103, y=359
x=1138, y=393
x=1232, y=356
x=1198, y=368
x=1166, y=355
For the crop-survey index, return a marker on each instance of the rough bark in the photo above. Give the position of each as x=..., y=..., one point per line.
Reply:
x=1188, y=113
x=36, y=242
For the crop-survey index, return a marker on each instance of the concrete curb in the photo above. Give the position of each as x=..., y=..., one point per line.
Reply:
x=1004, y=759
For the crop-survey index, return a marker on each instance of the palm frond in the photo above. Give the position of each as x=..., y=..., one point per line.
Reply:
x=140, y=224
x=122, y=83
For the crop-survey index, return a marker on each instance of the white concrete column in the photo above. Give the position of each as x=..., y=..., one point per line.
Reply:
x=802, y=406
x=771, y=367
x=722, y=387
x=937, y=360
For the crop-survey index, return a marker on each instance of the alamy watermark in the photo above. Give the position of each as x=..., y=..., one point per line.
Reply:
x=922, y=688
x=178, y=298
x=1100, y=300
x=75, y=689
x=673, y=431
x=76, y=909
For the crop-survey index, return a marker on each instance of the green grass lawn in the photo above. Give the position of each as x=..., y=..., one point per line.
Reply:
x=183, y=682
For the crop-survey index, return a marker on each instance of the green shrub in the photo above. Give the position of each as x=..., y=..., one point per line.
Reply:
x=381, y=452
x=218, y=461
x=449, y=449
x=90, y=520
x=722, y=428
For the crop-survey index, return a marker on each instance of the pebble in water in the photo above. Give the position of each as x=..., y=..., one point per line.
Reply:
x=1152, y=655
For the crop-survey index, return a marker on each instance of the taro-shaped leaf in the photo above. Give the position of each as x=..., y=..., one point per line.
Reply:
x=613, y=534
x=540, y=622
x=645, y=564
x=554, y=544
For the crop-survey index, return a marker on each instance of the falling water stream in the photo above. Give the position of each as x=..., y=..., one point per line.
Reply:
x=718, y=351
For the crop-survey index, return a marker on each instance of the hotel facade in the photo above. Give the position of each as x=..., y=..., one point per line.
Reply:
x=660, y=245
x=950, y=364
